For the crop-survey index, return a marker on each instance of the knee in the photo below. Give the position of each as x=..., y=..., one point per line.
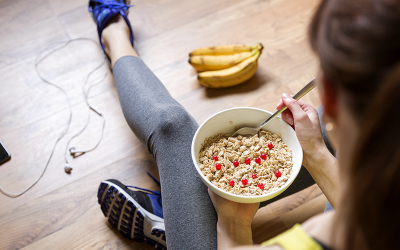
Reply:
x=175, y=120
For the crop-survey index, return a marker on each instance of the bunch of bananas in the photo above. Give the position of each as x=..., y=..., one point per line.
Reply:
x=227, y=65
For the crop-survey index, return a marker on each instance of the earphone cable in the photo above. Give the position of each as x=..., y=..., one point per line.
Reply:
x=68, y=123
x=86, y=94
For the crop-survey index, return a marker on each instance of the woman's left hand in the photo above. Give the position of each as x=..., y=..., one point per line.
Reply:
x=233, y=212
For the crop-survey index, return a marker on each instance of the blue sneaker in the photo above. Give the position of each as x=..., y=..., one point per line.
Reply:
x=104, y=10
x=137, y=215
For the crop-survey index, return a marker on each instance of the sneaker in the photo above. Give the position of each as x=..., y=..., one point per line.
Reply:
x=137, y=215
x=104, y=10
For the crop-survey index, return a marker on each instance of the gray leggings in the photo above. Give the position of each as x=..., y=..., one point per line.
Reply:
x=167, y=129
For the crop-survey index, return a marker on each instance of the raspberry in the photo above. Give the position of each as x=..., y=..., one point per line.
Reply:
x=263, y=156
x=218, y=166
x=257, y=160
x=278, y=174
x=232, y=183
x=215, y=158
x=235, y=163
x=245, y=181
x=270, y=146
x=247, y=161
x=261, y=186
x=254, y=176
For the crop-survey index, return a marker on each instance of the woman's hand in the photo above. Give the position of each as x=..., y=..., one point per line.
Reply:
x=239, y=213
x=304, y=119
x=234, y=221
x=320, y=163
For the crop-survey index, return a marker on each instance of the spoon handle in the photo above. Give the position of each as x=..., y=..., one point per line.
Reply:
x=299, y=95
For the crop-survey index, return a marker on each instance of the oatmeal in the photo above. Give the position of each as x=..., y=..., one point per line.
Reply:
x=247, y=166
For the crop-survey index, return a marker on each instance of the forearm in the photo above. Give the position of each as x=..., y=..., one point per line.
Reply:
x=323, y=167
x=233, y=233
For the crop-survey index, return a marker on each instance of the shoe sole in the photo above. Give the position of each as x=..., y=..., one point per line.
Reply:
x=129, y=218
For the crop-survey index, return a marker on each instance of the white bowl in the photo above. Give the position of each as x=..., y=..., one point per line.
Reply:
x=225, y=122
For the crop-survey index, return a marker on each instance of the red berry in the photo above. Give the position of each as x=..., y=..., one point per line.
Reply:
x=245, y=181
x=254, y=176
x=215, y=158
x=232, y=183
x=257, y=160
x=263, y=156
x=218, y=166
x=247, y=161
x=261, y=186
x=235, y=163
x=278, y=174
x=270, y=146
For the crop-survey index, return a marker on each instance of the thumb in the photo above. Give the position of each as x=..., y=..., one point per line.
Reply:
x=292, y=104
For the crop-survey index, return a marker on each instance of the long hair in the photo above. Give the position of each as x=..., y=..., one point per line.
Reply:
x=358, y=44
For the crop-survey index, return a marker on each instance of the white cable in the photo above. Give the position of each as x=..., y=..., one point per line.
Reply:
x=86, y=94
x=66, y=127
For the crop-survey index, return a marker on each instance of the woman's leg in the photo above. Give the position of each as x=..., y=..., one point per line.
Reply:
x=166, y=128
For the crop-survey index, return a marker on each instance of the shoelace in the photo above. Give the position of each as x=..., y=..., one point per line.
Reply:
x=109, y=4
x=147, y=190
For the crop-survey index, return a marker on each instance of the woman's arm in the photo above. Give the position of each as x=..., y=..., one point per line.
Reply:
x=317, y=159
x=234, y=221
x=233, y=233
x=323, y=167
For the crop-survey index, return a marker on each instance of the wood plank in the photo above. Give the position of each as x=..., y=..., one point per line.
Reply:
x=269, y=230
x=288, y=211
x=78, y=22
x=59, y=6
x=289, y=203
x=281, y=28
x=24, y=32
x=74, y=206
x=29, y=99
x=285, y=205
x=31, y=146
x=305, y=211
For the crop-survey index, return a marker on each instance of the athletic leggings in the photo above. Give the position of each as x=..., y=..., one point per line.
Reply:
x=167, y=129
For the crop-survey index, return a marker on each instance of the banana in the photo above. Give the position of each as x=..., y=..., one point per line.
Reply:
x=231, y=76
x=224, y=49
x=207, y=62
x=244, y=76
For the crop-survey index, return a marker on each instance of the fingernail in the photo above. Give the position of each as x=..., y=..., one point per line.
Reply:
x=285, y=96
x=290, y=121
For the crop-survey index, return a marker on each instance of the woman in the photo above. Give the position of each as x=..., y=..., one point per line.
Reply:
x=357, y=43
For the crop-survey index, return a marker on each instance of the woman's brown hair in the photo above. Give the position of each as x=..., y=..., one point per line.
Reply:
x=358, y=44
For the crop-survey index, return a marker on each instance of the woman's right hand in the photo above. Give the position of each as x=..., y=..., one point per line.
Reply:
x=304, y=119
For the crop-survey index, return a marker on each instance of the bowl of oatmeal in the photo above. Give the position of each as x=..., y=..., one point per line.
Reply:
x=246, y=169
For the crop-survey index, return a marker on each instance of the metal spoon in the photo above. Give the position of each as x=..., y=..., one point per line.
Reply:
x=300, y=94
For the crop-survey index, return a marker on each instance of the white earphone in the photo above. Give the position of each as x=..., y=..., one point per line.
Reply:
x=86, y=90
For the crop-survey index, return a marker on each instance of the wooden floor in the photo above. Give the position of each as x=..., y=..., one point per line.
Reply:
x=61, y=211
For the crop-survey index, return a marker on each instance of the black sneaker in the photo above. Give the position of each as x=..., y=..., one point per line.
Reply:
x=136, y=215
